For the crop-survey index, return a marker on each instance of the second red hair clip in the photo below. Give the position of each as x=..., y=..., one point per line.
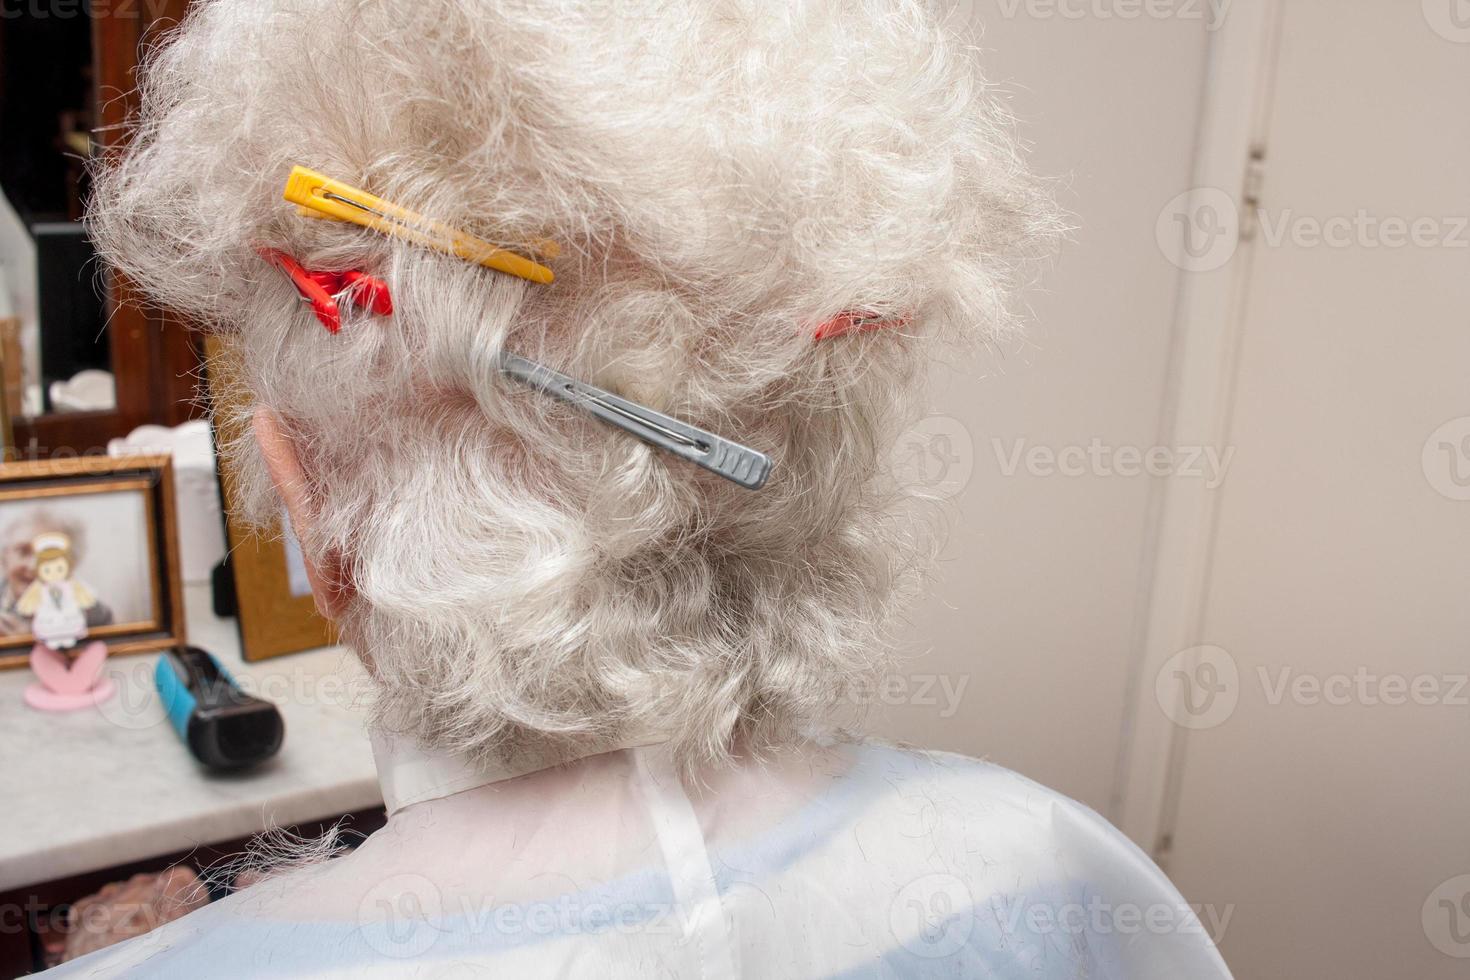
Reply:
x=325, y=290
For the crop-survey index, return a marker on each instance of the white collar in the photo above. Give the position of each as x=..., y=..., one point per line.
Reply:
x=409, y=773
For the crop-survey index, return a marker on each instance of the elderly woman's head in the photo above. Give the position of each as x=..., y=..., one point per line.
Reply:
x=722, y=176
x=18, y=547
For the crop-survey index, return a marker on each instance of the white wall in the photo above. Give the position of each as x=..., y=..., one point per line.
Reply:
x=1324, y=798
x=1036, y=603
x=1325, y=822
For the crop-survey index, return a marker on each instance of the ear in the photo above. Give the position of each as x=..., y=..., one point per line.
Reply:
x=330, y=584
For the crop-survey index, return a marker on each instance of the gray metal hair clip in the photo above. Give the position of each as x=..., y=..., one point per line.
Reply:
x=736, y=463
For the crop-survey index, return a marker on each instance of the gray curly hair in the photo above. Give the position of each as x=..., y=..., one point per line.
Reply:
x=722, y=175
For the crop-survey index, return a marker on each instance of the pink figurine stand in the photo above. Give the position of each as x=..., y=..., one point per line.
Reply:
x=68, y=685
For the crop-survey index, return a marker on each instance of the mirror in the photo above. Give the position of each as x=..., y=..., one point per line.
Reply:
x=54, y=341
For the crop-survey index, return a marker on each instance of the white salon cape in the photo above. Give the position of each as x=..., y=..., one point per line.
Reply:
x=846, y=861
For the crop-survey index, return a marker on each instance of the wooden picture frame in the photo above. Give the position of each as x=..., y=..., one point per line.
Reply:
x=275, y=619
x=33, y=488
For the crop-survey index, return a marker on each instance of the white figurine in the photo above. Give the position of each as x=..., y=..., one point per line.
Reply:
x=56, y=601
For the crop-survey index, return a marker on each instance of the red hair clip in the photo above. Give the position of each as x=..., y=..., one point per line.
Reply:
x=323, y=289
x=853, y=321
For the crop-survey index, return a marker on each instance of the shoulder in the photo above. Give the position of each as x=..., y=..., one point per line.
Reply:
x=970, y=794
x=1022, y=867
x=1003, y=815
x=914, y=801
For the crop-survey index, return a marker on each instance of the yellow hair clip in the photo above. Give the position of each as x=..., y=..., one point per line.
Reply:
x=319, y=196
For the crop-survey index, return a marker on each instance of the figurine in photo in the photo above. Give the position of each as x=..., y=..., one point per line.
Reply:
x=18, y=566
x=57, y=604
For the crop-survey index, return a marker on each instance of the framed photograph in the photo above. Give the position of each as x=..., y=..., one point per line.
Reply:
x=89, y=546
x=273, y=599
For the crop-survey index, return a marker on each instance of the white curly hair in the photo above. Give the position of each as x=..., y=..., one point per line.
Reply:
x=722, y=176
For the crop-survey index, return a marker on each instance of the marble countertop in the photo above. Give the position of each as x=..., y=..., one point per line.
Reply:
x=95, y=788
